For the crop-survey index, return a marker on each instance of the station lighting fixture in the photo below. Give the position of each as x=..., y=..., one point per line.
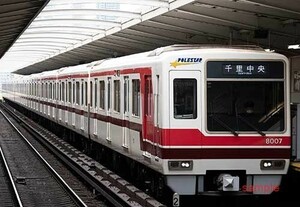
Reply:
x=295, y=47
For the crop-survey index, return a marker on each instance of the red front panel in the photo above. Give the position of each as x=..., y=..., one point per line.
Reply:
x=193, y=137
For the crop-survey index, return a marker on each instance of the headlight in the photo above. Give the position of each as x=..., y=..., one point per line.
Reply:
x=181, y=165
x=272, y=164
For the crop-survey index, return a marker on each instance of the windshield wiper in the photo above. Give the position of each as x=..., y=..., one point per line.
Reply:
x=224, y=125
x=251, y=125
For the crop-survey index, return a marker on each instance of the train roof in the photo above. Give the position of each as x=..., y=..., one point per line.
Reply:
x=82, y=68
x=180, y=47
x=172, y=49
x=48, y=73
x=149, y=55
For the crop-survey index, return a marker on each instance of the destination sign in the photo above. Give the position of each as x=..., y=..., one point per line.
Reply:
x=238, y=69
x=245, y=69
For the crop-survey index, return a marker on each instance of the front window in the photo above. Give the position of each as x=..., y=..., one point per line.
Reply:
x=242, y=100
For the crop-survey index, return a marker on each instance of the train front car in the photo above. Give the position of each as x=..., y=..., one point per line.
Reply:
x=229, y=127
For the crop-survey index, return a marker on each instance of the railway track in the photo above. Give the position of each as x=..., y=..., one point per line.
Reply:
x=116, y=190
x=36, y=182
x=9, y=195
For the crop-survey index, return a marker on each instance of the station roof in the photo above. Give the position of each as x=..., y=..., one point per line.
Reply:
x=15, y=16
x=72, y=32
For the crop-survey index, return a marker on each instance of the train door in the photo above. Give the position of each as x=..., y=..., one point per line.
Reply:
x=185, y=120
x=55, y=97
x=157, y=129
x=126, y=113
x=83, y=103
x=96, y=87
x=109, y=86
x=60, y=100
x=39, y=95
x=68, y=100
x=148, y=118
x=73, y=102
x=49, y=98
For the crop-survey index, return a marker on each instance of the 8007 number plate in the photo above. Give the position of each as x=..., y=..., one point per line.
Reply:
x=273, y=141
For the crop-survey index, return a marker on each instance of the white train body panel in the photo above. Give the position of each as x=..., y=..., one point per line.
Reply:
x=137, y=113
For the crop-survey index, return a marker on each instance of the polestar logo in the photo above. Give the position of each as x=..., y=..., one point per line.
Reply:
x=185, y=61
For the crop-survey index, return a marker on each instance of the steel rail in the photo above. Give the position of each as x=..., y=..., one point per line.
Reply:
x=16, y=193
x=74, y=196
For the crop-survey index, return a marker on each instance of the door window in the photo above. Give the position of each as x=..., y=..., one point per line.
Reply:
x=185, y=98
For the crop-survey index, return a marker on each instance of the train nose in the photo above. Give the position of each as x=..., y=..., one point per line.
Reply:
x=227, y=182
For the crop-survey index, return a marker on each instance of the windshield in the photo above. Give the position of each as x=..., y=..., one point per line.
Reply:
x=245, y=106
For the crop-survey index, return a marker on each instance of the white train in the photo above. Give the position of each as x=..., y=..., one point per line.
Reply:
x=208, y=119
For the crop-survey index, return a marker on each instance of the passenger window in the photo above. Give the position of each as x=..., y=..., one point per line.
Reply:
x=126, y=94
x=45, y=90
x=136, y=97
x=59, y=94
x=102, y=94
x=77, y=92
x=73, y=92
x=82, y=93
x=55, y=91
x=108, y=94
x=42, y=93
x=148, y=95
x=96, y=92
x=91, y=94
x=50, y=91
x=63, y=91
x=86, y=92
x=117, y=95
x=69, y=95
x=185, y=98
